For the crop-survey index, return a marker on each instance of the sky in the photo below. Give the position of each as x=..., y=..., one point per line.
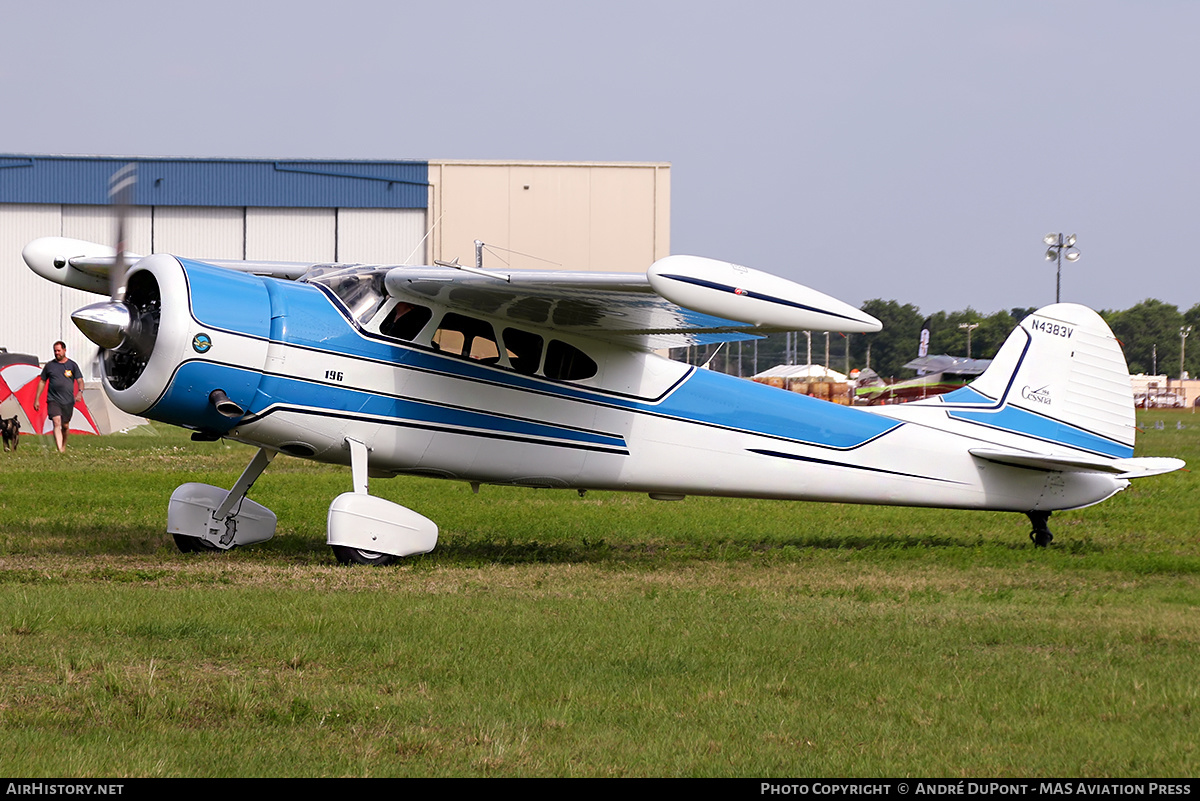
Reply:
x=915, y=151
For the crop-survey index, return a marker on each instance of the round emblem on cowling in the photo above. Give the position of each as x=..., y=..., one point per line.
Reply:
x=201, y=343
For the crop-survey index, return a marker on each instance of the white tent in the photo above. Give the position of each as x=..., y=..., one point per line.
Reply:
x=814, y=371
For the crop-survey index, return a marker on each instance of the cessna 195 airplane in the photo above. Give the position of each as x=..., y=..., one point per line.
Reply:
x=550, y=379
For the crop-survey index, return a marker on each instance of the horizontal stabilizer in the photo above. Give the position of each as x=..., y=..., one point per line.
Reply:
x=1139, y=467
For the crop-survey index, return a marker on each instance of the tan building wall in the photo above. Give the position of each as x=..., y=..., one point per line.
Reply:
x=1189, y=392
x=1161, y=390
x=554, y=215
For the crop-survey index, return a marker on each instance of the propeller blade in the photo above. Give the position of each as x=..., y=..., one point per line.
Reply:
x=120, y=193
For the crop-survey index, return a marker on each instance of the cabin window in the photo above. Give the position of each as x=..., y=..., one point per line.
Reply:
x=567, y=362
x=472, y=338
x=459, y=335
x=524, y=350
x=405, y=320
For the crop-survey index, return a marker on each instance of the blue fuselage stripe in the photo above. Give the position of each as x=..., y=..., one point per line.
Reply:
x=1005, y=417
x=302, y=316
x=1020, y=421
x=291, y=391
x=286, y=393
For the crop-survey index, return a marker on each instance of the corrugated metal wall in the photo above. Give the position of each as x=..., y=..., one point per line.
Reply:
x=291, y=234
x=201, y=233
x=203, y=208
x=218, y=182
x=382, y=236
x=34, y=312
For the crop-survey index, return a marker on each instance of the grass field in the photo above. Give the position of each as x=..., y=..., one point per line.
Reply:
x=612, y=635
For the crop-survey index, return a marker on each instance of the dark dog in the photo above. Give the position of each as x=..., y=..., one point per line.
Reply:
x=11, y=428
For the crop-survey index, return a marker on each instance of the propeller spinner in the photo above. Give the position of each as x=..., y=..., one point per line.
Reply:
x=106, y=324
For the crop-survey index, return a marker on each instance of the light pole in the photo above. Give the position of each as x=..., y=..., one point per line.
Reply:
x=1184, y=330
x=970, y=327
x=1055, y=253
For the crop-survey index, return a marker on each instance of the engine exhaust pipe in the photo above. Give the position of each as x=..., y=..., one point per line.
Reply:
x=224, y=405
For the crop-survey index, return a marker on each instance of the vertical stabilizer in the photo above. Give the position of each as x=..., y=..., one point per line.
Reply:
x=1064, y=367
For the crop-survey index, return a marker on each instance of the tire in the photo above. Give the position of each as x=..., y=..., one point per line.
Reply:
x=355, y=556
x=187, y=544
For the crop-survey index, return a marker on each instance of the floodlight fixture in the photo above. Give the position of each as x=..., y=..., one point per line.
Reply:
x=1055, y=253
x=969, y=328
x=1184, y=330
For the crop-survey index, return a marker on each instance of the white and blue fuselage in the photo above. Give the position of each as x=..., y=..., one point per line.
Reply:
x=309, y=377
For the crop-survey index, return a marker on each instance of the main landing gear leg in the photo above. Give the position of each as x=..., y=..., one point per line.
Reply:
x=364, y=530
x=202, y=517
x=1040, y=535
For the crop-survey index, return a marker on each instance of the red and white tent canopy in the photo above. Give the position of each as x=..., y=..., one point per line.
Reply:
x=18, y=383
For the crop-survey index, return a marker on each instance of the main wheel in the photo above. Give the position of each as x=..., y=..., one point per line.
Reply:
x=188, y=544
x=357, y=556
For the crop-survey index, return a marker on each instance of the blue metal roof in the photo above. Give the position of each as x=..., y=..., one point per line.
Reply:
x=83, y=180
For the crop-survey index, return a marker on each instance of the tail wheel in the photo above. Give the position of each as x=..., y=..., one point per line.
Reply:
x=356, y=556
x=1040, y=535
x=1041, y=539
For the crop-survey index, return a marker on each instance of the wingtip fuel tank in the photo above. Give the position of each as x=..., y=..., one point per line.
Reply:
x=740, y=293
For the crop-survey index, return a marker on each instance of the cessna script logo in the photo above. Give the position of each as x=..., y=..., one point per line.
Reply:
x=1041, y=395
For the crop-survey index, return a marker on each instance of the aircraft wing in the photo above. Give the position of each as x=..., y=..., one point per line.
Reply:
x=615, y=307
x=86, y=265
x=99, y=266
x=681, y=300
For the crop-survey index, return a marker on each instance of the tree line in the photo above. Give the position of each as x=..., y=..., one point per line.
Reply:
x=1148, y=332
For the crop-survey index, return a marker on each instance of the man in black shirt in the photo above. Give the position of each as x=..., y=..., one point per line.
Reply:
x=66, y=387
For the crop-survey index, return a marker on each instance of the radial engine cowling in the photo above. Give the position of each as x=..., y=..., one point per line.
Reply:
x=183, y=331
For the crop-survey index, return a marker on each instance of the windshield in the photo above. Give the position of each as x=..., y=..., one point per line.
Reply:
x=359, y=288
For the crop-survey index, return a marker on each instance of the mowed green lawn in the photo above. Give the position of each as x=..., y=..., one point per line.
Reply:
x=550, y=635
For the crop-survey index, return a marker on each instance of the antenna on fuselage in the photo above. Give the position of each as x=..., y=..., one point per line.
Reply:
x=422, y=242
x=707, y=364
x=480, y=246
x=476, y=270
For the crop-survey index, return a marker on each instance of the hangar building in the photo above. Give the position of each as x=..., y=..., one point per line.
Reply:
x=577, y=216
